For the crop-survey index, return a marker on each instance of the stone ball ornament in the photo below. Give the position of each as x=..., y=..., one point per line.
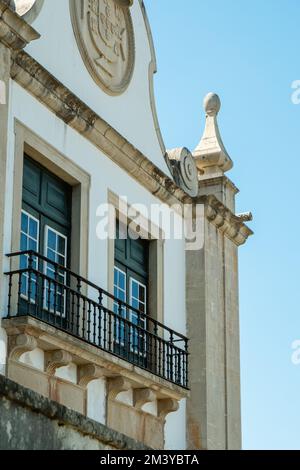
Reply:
x=183, y=169
x=212, y=104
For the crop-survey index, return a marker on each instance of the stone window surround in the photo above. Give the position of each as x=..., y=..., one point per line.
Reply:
x=50, y=158
x=156, y=257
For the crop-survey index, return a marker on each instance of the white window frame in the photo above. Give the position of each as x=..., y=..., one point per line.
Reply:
x=47, y=229
x=116, y=268
x=26, y=275
x=131, y=280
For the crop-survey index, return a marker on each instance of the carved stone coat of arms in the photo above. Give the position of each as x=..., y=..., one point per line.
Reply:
x=104, y=32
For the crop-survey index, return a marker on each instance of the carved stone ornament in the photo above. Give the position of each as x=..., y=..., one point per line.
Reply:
x=183, y=169
x=105, y=37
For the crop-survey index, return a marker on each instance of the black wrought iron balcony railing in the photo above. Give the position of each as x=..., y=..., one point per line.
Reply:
x=47, y=291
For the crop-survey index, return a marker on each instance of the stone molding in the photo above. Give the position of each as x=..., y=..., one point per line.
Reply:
x=62, y=348
x=15, y=32
x=26, y=334
x=230, y=224
x=152, y=72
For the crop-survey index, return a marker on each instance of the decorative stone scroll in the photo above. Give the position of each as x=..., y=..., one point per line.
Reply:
x=117, y=386
x=19, y=345
x=56, y=359
x=183, y=169
x=105, y=37
x=88, y=373
x=166, y=406
x=142, y=396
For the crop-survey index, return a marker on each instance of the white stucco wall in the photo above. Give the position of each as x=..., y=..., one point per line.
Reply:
x=58, y=52
x=105, y=175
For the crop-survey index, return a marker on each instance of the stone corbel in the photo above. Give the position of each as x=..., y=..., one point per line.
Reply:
x=213, y=216
x=19, y=345
x=56, y=359
x=117, y=386
x=142, y=396
x=88, y=373
x=166, y=406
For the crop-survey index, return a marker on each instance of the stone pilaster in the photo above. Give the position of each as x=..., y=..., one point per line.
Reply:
x=213, y=409
x=5, y=58
x=15, y=34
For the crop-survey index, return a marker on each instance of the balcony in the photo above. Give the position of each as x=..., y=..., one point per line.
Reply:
x=50, y=294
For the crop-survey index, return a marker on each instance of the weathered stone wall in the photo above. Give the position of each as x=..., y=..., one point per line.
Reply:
x=29, y=421
x=213, y=409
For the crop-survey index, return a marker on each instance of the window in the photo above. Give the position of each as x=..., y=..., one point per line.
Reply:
x=56, y=251
x=29, y=241
x=45, y=229
x=131, y=286
x=138, y=295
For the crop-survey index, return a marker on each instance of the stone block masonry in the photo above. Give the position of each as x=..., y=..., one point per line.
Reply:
x=32, y=422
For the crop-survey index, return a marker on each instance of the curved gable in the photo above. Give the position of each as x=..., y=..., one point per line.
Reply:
x=132, y=111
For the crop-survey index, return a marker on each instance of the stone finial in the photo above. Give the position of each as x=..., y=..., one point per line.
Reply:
x=210, y=155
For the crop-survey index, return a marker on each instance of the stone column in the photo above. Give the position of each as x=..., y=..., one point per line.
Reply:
x=213, y=409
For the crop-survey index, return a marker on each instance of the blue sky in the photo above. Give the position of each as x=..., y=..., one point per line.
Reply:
x=247, y=52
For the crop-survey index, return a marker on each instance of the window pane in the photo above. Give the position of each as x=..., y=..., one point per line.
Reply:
x=28, y=241
x=24, y=222
x=61, y=245
x=32, y=244
x=51, y=241
x=142, y=292
x=51, y=255
x=135, y=289
x=33, y=228
x=56, y=246
x=23, y=242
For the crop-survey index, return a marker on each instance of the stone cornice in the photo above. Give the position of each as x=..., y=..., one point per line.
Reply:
x=15, y=33
x=219, y=180
x=34, y=78
x=230, y=224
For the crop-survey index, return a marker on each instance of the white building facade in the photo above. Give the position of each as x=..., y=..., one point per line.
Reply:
x=100, y=322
